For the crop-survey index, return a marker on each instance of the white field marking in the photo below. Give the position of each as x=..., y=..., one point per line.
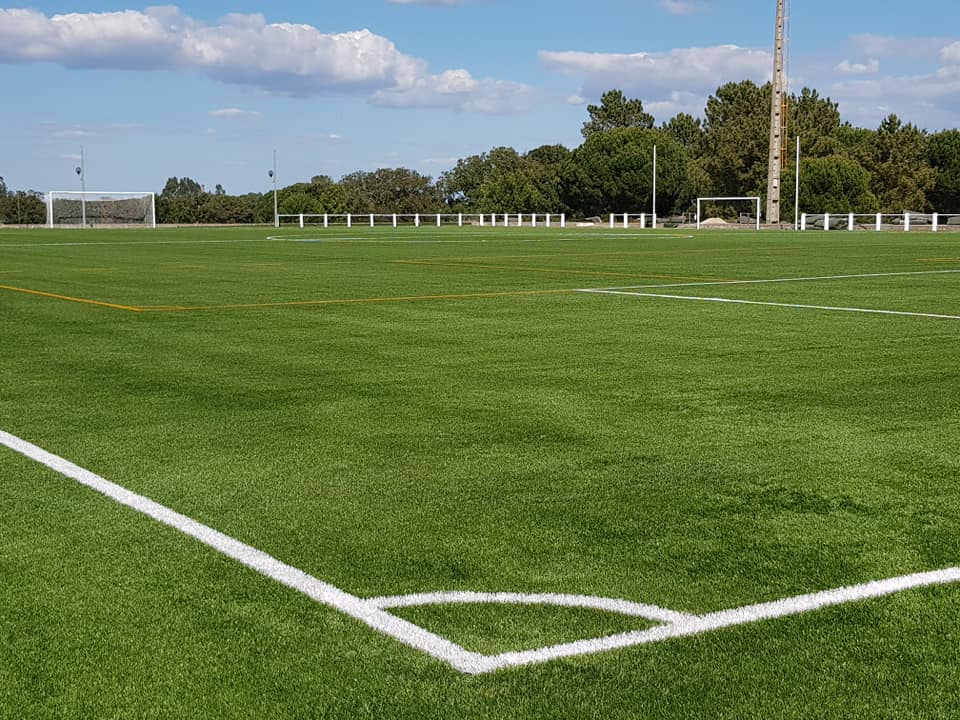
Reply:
x=133, y=242
x=372, y=612
x=734, y=301
x=727, y=618
x=324, y=593
x=621, y=607
x=784, y=280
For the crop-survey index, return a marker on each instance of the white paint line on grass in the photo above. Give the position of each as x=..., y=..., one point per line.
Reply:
x=324, y=593
x=734, y=301
x=621, y=607
x=372, y=612
x=728, y=618
x=783, y=280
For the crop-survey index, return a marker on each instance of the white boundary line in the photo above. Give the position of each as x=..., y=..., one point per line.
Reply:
x=781, y=280
x=324, y=593
x=372, y=612
x=774, y=304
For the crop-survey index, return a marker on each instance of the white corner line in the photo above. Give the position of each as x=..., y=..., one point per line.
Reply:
x=734, y=301
x=729, y=618
x=591, y=602
x=775, y=280
x=372, y=612
x=324, y=593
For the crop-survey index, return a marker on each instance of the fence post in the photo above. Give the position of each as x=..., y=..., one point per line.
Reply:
x=371, y=219
x=533, y=220
x=416, y=220
x=563, y=220
x=349, y=220
x=643, y=221
x=906, y=222
x=394, y=219
x=826, y=221
x=850, y=222
x=879, y=221
x=936, y=221
x=326, y=220
x=301, y=221
x=548, y=219
x=438, y=219
x=803, y=222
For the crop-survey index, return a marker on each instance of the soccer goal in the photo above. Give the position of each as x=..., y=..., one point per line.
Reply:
x=727, y=213
x=97, y=209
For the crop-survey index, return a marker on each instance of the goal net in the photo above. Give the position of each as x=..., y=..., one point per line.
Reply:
x=728, y=212
x=95, y=209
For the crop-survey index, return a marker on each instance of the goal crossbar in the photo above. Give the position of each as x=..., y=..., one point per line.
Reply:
x=754, y=199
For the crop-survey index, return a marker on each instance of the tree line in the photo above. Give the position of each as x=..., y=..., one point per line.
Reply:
x=894, y=168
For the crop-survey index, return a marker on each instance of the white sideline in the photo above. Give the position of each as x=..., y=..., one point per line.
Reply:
x=833, y=308
x=372, y=612
x=783, y=280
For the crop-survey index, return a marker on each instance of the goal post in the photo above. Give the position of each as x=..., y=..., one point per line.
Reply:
x=68, y=208
x=755, y=201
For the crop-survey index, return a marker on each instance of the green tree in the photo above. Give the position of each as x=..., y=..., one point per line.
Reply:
x=816, y=120
x=736, y=139
x=943, y=154
x=617, y=172
x=616, y=111
x=390, y=190
x=686, y=130
x=833, y=184
x=901, y=173
x=461, y=187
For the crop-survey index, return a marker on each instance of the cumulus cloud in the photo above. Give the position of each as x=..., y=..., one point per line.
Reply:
x=667, y=82
x=460, y=90
x=871, y=67
x=287, y=58
x=693, y=69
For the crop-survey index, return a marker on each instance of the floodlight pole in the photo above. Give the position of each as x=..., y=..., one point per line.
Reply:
x=276, y=216
x=777, y=122
x=83, y=189
x=654, y=187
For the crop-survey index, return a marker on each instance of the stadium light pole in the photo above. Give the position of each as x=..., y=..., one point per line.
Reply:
x=273, y=176
x=82, y=172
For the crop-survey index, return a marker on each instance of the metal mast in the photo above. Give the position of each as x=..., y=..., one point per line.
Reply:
x=778, y=122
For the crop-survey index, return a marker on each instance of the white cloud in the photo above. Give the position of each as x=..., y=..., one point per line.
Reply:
x=286, y=58
x=871, y=67
x=900, y=48
x=691, y=69
x=458, y=89
x=683, y=7
x=234, y=114
x=950, y=55
x=576, y=100
x=668, y=82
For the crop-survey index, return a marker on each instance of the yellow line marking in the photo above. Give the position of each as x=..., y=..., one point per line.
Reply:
x=517, y=268
x=85, y=301
x=350, y=301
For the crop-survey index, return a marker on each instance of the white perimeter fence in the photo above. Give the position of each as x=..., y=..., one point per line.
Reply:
x=934, y=222
x=625, y=220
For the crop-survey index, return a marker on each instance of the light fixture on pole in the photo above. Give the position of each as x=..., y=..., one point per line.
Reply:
x=273, y=176
x=82, y=173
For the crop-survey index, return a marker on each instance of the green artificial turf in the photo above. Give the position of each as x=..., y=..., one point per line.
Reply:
x=476, y=424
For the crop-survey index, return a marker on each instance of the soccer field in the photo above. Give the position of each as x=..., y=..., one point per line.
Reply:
x=479, y=473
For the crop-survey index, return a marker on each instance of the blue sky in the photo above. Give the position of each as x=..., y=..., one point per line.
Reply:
x=209, y=89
